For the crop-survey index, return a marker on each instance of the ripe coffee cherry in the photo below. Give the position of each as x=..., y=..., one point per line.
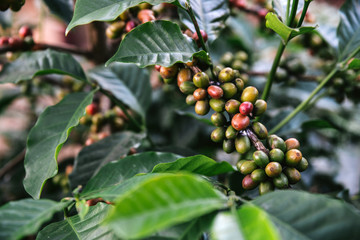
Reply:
x=293, y=157
x=246, y=108
x=265, y=187
x=226, y=75
x=276, y=155
x=242, y=144
x=130, y=25
x=239, y=84
x=25, y=31
x=292, y=174
x=262, y=12
x=218, y=119
x=187, y=87
x=273, y=169
x=146, y=15
x=190, y=100
x=196, y=37
x=248, y=183
x=115, y=30
x=231, y=133
x=201, y=80
x=218, y=134
x=258, y=175
x=200, y=94
x=260, y=158
x=240, y=122
x=292, y=143
x=259, y=107
x=4, y=41
x=250, y=94
x=260, y=130
x=157, y=68
x=169, y=72
x=276, y=142
x=229, y=90
x=215, y=92
x=91, y=109
x=281, y=181
x=184, y=75
x=248, y=167
x=218, y=105
x=228, y=145
x=15, y=42
x=202, y=107
x=303, y=165
x=232, y=106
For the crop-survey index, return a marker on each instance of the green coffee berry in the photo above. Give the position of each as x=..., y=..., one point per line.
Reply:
x=201, y=80
x=226, y=75
x=229, y=90
x=293, y=157
x=242, y=56
x=228, y=145
x=218, y=105
x=260, y=130
x=303, y=165
x=281, y=181
x=218, y=134
x=276, y=155
x=238, y=65
x=227, y=59
x=232, y=106
x=266, y=187
x=242, y=144
x=273, y=169
x=250, y=94
x=218, y=119
x=292, y=143
x=260, y=107
x=239, y=84
x=239, y=163
x=260, y=158
x=187, y=87
x=258, y=175
x=231, y=132
x=276, y=142
x=190, y=100
x=248, y=167
x=292, y=174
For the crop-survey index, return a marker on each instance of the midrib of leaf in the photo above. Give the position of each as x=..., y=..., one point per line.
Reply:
x=288, y=226
x=72, y=227
x=348, y=45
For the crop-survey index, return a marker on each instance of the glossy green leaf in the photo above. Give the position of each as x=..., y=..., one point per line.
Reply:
x=61, y=8
x=311, y=215
x=127, y=83
x=32, y=64
x=161, y=201
x=87, y=11
x=317, y=124
x=285, y=32
x=354, y=64
x=157, y=42
x=191, y=113
x=199, y=164
x=47, y=137
x=225, y=227
x=21, y=218
x=281, y=6
x=92, y=158
x=349, y=29
x=73, y=228
x=209, y=14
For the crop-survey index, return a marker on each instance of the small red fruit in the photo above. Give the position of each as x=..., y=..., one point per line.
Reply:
x=199, y=94
x=240, y=3
x=246, y=108
x=215, y=92
x=130, y=25
x=157, y=68
x=15, y=42
x=146, y=15
x=262, y=12
x=240, y=122
x=248, y=183
x=91, y=109
x=25, y=31
x=196, y=37
x=4, y=41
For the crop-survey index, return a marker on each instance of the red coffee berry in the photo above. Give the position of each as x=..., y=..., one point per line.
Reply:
x=246, y=108
x=15, y=42
x=240, y=122
x=146, y=15
x=215, y=92
x=91, y=109
x=25, y=31
x=157, y=68
x=130, y=25
x=196, y=37
x=199, y=94
x=248, y=183
x=240, y=3
x=262, y=12
x=4, y=41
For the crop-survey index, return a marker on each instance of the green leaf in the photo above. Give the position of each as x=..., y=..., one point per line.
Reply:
x=349, y=29
x=199, y=164
x=47, y=137
x=7, y=95
x=157, y=42
x=285, y=32
x=87, y=11
x=280, y=7
x=21, y=218
x=209, y=14
x=354, y=64
x=61, y=8
x=317, y=124
x=127, y=83
x=32, y=64
x=73, y=228
x=316, y=216
x=116, y=172
x=191, y=113
x=160, y=201
x=92, y=158
x=225, y=227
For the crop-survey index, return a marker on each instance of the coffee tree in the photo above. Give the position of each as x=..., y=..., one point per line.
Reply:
x=173, y=126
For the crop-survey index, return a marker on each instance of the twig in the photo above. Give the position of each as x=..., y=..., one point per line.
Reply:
x=255, y=141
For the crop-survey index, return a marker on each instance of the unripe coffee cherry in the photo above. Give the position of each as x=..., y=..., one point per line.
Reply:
x=169, y=72
x=242, y=56
x=260, y=158
x=276, y=155
x=218, y=134
x=184, y=75
x=303, y=165
x=259, y=107
x=202, y=107
x=226, y=75
x=130, y=25
x=248, y=167
x=218, y=119
x=265, y=187
x=276, y=142
x=232, y=106
x=281, y=181
x=239, y=84
x=260, y=130
x=196, y=37
x=248, y=183
x=227, y=59
x=292, y=174
x=187, y=88
x=231, y=133
x=25, y=31
x=146, y=15
x=293, y=157
x=239, y=163
x=273, y=169
x=200, y=94
x=229, y=90
x=246, y=108
x=258, y=175
x=91, y=109
x=242, y=144
x=190, y=100
x=115, y=30
x=201, y=80
x=218, y=105
x=215, y=92
x=250, y=94
x=292, y=143
x=228, y=145
x=240, y=122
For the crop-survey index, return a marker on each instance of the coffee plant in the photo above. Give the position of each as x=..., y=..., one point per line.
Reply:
x=179, y=119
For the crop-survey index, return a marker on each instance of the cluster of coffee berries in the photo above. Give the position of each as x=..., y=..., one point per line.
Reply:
x=129, y=19
x=24, y=40
x=345, y=84
x=278, y=168
x=14, y=5
x=290, y=70
x=237, y=61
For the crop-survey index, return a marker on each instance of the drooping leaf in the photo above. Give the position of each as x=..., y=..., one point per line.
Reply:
x=73, y=228
x=87, y=11
x=209, y=14
x=225, y=227
x=285, y=32
x=7, y=95
x=32, y=64
x=157, y=42
x=21, y=218
x=160, y=201
x=61, y=8
x=315, y=216
x=354, y=64
x=127, y=83
x=199, y=164
x=349, y=29
x=281, y=6
x=92, y=158
x=47, y=137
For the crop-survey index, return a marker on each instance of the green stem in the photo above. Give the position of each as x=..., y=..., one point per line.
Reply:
x=293, y=13
x=303, y=14
x=287, y=10
x=272, y=72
